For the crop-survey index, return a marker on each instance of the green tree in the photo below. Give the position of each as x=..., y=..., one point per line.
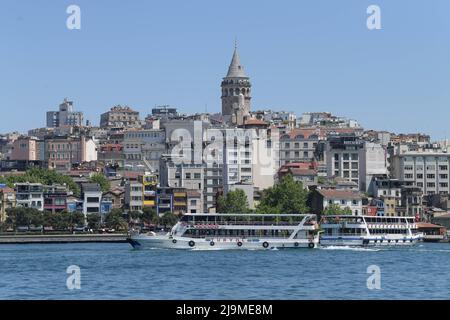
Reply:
x=286, y=196
x=115, y=220
x=102, y=181
x=149, y=216
x=21, y=216
x=335, y=209
x=134, y=215
x=93, y=221
x=44, y=176
x=168, y=219
x=234, y=202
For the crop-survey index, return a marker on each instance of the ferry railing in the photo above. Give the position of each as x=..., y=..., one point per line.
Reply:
x=246, y=223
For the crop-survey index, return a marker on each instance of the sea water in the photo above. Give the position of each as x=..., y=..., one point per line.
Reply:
x=116, y=271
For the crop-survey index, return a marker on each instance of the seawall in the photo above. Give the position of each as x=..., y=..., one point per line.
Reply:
x=63, y=238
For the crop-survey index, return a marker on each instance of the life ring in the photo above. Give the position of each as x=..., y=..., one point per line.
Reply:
x=296, y=244
x=191, y=243
x=311, y=245
x=265, y=244
x=239, y=244
x=174, y=241
x=211, y=243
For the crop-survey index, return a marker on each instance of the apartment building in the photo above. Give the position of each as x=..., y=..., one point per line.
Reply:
x=351, y=158
x=65, y=116
x=427, y=170
x=120, y=117
x=142, y=149
x=7, y=201
x=30, y=195
x=61, y=152
x=322, y=198
x=390, y=192
x=55, y=198
x=134, y=196
x=299, y=145
x=27, y=149
x=91, y=194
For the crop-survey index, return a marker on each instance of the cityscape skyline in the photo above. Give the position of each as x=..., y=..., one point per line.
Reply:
x=364, y=74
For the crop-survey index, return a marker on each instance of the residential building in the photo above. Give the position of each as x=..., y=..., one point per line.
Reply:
x=27, y=149
x=299, y=145
x=134, y=196
x=111, y=154
x=351, y=158
x=142, y=149
x=116, y=196
x=91, y=194
x=55, y=198
x=120, y=117
x=7, y=201
x=249, y=191
x=164, y=112
x=65, y=116
x=165, y=201
x=390, y=192
x=149, y=190
x=320, y=199
x=64, y=151
x=304, y=172
x=30, y=195
x=425, y=169
x=412, y=201
x=194, y=201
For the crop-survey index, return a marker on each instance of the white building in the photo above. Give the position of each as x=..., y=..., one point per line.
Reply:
x=142, y=149
x=30, y=195
x=428, y=170
x=355, y=160
x=134, y=196
x=91, y=194
x=345, y=199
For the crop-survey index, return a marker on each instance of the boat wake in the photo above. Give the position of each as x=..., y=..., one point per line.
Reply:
x=348, y=248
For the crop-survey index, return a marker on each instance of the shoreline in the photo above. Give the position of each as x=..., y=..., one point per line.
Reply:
x=63, y=238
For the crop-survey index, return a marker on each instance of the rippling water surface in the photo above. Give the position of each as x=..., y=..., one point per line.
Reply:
x=116, y=271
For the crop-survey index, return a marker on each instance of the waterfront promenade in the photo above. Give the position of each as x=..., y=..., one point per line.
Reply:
x=63, y=238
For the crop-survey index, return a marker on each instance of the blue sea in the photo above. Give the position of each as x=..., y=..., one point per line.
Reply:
x=116, y=271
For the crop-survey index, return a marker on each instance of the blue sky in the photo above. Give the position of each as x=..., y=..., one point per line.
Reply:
x=301, y=56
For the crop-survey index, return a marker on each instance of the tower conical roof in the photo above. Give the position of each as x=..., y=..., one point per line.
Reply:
x=236, y=70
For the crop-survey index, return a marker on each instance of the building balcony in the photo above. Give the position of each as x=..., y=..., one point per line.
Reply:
x=180, y=194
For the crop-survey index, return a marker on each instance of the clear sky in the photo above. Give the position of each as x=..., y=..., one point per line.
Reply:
x=301, y=56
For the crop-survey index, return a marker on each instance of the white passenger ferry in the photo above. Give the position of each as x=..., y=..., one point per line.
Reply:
x=235, y=231
x=346, y=230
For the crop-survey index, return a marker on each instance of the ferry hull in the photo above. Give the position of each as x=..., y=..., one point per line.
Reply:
x=164, y=242
x=370, y=241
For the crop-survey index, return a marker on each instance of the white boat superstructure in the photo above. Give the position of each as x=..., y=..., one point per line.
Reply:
x=235, y=231
x=347, y=230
